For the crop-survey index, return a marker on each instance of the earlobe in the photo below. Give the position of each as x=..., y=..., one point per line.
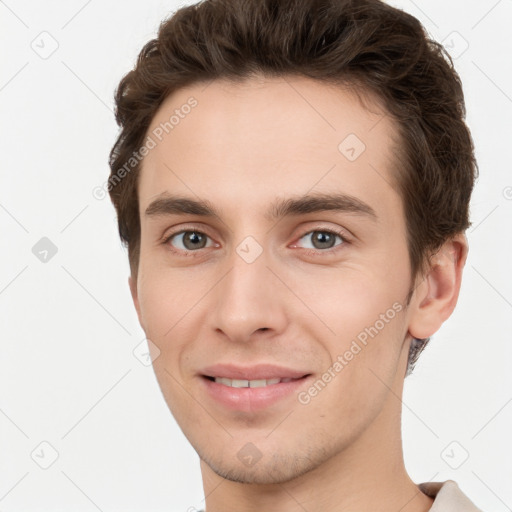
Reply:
x=436, y=296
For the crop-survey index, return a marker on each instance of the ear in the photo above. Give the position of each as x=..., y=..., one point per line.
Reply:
x=132, y=283
x=436, y=295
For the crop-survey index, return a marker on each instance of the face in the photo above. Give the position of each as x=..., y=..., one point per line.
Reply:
x=273, y=246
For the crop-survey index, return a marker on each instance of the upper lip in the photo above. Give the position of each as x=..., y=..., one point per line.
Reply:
x=255, y=372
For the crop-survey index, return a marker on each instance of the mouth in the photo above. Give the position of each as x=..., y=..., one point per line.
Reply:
x=256, y=383
x=256, y=394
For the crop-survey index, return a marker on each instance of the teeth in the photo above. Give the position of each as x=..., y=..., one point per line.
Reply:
x=257, y=383
x=239, y=383
x=242, y=383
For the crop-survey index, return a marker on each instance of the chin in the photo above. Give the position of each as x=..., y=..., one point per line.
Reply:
x=266, y=474
x=275, y=469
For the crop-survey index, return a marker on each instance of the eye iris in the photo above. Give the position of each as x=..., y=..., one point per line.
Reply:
x=193, y=240
x=323, y=240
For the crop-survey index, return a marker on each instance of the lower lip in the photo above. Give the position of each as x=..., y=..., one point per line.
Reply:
x=252, y=399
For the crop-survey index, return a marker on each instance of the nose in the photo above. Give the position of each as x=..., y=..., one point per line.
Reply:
x=248, y=300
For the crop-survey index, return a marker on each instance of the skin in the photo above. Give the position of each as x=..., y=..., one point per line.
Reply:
x=240, y=148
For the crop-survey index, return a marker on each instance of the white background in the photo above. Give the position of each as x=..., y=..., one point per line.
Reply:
x=68, y=375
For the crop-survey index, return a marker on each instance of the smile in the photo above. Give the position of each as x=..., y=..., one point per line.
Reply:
x=242, y=383
x=253, y=395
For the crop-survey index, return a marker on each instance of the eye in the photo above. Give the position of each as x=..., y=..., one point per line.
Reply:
x=322, y=239
x=192, y=240
x=188, y=240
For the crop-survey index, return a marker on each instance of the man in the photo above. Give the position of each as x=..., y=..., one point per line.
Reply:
x=292, y=180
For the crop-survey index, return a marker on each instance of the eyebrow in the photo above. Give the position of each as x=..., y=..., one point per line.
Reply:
x=168, y=204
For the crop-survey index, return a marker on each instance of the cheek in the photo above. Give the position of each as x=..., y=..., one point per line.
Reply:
x=166, y=304
x=364, y=353
x=170, y=303
x=165, y=297
x=361, y=322
x=349, y=300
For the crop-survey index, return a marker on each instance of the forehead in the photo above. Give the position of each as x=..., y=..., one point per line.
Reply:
x=245, y=142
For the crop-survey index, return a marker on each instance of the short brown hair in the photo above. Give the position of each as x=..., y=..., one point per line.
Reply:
x=383, y=50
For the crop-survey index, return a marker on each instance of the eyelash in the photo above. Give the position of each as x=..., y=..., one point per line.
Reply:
x=311, y=252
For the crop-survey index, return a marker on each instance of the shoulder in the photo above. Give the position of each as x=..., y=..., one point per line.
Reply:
x=448, y=497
